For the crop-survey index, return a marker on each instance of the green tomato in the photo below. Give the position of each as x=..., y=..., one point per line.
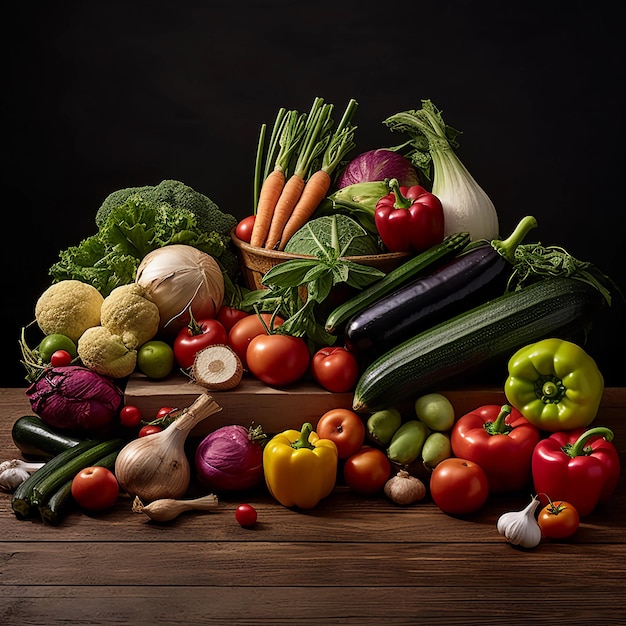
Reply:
x=436, y=411
x=155, y=359
x=53, y=342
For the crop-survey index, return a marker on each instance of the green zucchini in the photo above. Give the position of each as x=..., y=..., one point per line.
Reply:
x=46, y=487
x=550, y=307
x=22, y=501
x=34, y=438
x=58, y=504
x=394, y=279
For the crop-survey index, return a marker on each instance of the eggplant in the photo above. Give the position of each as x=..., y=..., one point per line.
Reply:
x=475, y=276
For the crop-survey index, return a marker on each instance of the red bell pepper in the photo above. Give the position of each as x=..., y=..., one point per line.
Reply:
x=499, y=439
x=579, y=466
x=409, y=219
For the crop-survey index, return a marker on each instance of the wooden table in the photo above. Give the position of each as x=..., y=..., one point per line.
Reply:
x=351, y=560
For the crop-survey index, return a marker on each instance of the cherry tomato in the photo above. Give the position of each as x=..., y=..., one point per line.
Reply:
x=278, y=359
x=195, y=336
x=95, y=488
x=345, y=428
x=335, y=369
x=130, y=416
x=246, y=515
x=243, y=230
x=243, y=331
x=459, y=486
x=164, y=411
x=367, y=471
x=149, y=429
x=228, y=316
x=60, y=358
x=558, y=520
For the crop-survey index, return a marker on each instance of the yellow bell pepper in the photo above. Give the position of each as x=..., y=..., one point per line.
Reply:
x=300, y=468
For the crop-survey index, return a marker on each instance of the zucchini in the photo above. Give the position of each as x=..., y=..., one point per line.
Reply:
x=34, y=438
x=551, y=307
x=394, y=279
x=50, y=483
x=53, y=511
x=22, y=501
x=478, y=274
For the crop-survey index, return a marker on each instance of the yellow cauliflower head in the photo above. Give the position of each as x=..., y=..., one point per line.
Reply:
x=69, y=308
x=105, y=353
x=130, y=312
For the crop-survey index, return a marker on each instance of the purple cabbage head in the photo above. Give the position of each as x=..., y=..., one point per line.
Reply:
x=376, y=165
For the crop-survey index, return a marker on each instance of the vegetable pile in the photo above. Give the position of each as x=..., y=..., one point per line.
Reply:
x=159, y=292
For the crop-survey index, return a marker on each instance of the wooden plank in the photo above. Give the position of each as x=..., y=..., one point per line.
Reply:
x=488, y=602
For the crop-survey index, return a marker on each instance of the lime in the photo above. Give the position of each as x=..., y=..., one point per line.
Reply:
x=155, y=359
x=53, y=342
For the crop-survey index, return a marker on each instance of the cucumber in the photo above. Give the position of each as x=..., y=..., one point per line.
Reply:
x=394, y=279
x=34, y=438
x=550, y=307
x=54, y=480
x=58, y=504
x=63, y=466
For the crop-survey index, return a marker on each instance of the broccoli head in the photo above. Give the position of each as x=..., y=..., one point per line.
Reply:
x=209, y=218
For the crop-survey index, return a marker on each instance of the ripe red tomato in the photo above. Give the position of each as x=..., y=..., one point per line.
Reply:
x=335, y=369
x=243, y=230
x=243, y=331
x=459, y=486
x=228, y=316
x=246, y=515
x=195, y=336
x=558, y=520
x=278, y=360
x=130, y=416
x=367, y=471
x=95, y=488
x=345, y=428
x=149, y=429
x=60, y=358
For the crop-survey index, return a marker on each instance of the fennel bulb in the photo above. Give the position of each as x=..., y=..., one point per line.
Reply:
x=466, y=206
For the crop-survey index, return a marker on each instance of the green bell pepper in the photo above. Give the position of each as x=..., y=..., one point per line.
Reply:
x=555, y=385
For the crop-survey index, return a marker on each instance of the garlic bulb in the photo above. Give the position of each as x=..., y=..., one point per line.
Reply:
x=404, y=489
x=156, y=466
x=14, y=472
x=520, y=527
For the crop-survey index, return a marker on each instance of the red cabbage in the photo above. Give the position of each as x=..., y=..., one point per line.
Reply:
x=375, y=165
x=231, y=458
x=75, y=398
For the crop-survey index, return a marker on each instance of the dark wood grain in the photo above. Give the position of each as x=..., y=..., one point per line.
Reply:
x=352, y=560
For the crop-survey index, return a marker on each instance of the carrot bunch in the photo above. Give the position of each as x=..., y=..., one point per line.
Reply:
x=303, y=154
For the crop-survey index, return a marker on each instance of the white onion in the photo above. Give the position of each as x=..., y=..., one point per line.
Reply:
x=179, y=278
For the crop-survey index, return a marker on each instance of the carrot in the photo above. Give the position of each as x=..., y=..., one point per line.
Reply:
x=270, y=192
x=286, y=136
x=319, y=182
x=316, y=138
x=314, y=192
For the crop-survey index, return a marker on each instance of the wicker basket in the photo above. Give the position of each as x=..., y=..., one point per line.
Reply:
x=255, y=262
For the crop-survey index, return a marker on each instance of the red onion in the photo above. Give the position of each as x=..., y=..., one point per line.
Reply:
x=231, y=458
x=375, y=165
x=75, y=398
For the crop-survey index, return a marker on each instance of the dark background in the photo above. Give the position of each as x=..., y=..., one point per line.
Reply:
x=102, y=95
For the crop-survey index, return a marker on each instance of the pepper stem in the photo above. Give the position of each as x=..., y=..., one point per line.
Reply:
x=303, y=440
x=578, y=447
x=401, y=202
x=506, y=247
x=499, y=426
